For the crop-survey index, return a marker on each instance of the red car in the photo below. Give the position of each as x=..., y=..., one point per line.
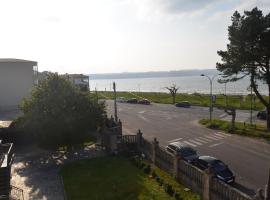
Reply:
x=144, y=101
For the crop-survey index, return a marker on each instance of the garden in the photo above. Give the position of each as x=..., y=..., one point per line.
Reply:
x=117, y=178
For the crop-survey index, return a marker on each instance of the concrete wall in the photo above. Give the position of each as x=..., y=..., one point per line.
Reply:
x=16, y=81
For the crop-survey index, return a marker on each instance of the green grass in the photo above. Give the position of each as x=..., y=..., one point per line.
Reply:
x=237, y=101
x=245, y=129
x=115, y=178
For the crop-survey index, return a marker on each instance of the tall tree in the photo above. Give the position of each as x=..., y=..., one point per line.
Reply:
x=58, y=113
x=173, y=90
x=248, y=52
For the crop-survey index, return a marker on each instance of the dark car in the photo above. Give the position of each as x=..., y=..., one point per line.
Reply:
x=132, y=100
x=221, y=171
x=262, y=115
x=184, y=104
x=185, y=151
x=144, y=101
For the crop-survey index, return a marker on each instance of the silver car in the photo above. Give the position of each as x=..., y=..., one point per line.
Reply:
x=185, y=151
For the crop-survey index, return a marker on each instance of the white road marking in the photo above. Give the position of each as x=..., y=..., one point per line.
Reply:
x=224, y=134
x=189, y=143
x=143, y=118
x=208, y=140
x=213, y=138
x=141, y=112
x=216, y=136
x=220, y=135
x=214, y=145
x=193, y=141
x=175, y=140
x=200, y=140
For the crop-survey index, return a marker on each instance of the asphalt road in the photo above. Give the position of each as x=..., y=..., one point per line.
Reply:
x=248, y=158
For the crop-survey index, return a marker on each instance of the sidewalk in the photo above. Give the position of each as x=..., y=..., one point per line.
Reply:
x=36, y=171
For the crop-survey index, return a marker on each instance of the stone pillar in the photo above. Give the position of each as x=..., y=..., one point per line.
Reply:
x=267, y=188
x=154, y=147
x=139, y=140
x=176, y=160
x=259, y=195
x=120, y=127
x=207, y=177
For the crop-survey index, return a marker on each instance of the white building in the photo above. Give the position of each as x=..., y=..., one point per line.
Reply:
x=17, y=77
x=80, y=80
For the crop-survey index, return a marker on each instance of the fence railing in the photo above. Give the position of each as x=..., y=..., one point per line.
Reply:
x=202, y=182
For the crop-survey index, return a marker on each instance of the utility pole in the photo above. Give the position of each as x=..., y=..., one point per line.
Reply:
x=251, y=104
x=211, y=94
x=115, y=106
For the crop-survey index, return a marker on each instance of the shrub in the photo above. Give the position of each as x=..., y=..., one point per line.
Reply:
x=169, y=189
x=161, y=182
x=154, y=175
x=157, y=179
x=147, y=169
x=177, y=196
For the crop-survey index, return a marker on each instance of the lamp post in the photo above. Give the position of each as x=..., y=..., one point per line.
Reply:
x=211, y=94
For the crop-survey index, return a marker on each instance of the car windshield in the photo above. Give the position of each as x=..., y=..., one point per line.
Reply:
x=219, y=166
x=188, y=151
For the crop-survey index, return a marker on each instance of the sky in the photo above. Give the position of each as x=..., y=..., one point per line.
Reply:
x=107, y=36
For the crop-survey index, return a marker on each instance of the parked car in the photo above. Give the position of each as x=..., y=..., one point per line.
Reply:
x=221, y=170
x=132, y=100
x=144, y=101
x=121, y=100
x=184, y=104
x=262, y=115
x=187, y=153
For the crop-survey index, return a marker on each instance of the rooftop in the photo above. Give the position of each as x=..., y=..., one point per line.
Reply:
x=6, y=60
x=77, y=76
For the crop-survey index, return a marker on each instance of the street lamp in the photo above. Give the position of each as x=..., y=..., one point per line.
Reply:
x=211, y=95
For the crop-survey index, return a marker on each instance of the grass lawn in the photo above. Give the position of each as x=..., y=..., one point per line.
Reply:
x=115, y=178
x=241, y=128
x=236, y=101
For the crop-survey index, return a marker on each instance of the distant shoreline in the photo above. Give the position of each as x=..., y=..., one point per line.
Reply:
x=157, y=74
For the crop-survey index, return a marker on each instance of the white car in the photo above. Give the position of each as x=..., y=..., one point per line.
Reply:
x=121, y=100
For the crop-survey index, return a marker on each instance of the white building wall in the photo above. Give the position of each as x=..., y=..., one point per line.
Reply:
x=16, y=81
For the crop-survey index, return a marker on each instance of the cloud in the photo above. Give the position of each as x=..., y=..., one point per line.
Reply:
x=171, y=8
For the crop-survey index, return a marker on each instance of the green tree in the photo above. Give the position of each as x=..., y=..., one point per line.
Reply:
x=173, y=90
x=58, y=113
x=248, y=52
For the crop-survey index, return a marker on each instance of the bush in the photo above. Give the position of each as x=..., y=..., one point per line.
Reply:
x=154, y=175
x=177, y=196
x=161, y=182
x=169, y=189
x=147, y=169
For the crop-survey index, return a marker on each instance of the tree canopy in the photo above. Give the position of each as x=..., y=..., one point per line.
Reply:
x=58, y=113
x=248, y=51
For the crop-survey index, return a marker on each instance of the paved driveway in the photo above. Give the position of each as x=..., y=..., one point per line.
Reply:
x=36, y=171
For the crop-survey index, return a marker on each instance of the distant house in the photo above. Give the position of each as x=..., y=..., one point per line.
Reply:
x=80, y=80
x=17, y=77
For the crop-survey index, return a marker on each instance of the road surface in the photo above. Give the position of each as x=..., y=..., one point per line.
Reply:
x=248, y=158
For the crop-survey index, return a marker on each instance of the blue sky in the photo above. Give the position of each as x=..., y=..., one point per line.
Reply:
x=105, y=36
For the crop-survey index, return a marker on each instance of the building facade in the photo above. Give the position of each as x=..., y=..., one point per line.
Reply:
x=80, y=80
x=17, y=77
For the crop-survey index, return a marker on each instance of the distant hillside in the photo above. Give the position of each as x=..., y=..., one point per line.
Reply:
x=195, y=72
